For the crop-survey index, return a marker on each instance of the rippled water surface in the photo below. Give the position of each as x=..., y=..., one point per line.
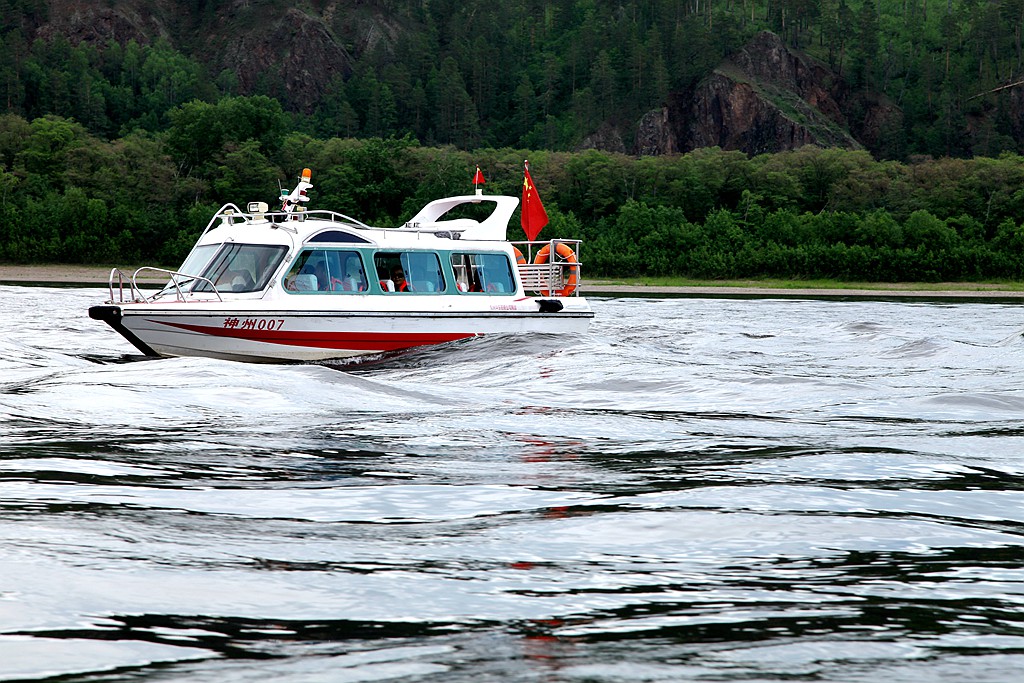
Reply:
x=696, y=490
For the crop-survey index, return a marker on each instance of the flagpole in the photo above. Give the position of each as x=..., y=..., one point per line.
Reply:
x=478, y=180
x=532, y=214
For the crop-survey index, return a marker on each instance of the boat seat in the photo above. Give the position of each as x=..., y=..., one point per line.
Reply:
x=305, y=282
x=424, y=286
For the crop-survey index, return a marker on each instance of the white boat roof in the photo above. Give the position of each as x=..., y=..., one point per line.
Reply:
x=494, y=227
x=231, y=224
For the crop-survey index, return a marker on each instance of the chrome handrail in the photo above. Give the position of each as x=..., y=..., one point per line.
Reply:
x=229, y=213
x=136, y=293
x=120, y=286
x=338, y=217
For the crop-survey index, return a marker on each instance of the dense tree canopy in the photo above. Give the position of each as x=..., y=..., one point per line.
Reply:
x=121, y=152
x=545, y=75
x=70, y=196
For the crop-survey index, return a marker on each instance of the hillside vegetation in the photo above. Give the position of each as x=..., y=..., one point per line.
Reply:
x=122, y=136
x=73, y=197
x=541, y=75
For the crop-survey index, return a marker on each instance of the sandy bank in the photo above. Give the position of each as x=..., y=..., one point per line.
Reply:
x=97, y=276
x=61, y=274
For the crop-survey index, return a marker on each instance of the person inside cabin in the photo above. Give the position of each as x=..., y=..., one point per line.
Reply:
x=398, y=277
x=235, y=280
x=289, y=279
x=267, y=265
x=301, y=277
x=325, y=282
x=322, y=281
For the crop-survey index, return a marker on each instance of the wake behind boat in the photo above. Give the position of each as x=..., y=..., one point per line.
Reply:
x=298, y=285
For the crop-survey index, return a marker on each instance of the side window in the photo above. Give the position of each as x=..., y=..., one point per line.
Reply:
x=485, y=273
x=409, y=271
x=353, y=276
x=327, y=270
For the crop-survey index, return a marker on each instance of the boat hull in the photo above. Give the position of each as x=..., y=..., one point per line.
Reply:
x=279, y=336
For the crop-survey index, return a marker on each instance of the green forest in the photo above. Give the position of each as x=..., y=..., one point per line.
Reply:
x=810, y=213
x=536, y=75
x=120, y=153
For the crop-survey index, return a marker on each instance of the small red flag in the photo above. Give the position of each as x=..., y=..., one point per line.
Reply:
x=478, y=177
x=533, y=217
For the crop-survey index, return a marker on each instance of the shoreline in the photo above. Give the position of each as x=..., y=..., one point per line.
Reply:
x=952, y=290
x=96, y=276
x=61, y=274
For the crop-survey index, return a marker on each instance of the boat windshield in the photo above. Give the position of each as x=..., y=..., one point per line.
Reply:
x=193, y=266
x=242, y=267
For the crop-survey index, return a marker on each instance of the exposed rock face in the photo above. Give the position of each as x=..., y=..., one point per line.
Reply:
x=766, y=60
x=300, y=50
x=296, y=49
x=764, y=98
x=607, y=138
x=655, y=134
x=734, y=115
x=97, y=22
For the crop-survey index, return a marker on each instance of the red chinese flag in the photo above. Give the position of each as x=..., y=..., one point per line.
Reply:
x=478, y=177
x=534, y=217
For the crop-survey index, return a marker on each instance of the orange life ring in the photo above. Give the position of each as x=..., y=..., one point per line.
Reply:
x=520, y=259
x=569, y=256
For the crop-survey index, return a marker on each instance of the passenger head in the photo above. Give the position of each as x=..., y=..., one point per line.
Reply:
x=321, y=274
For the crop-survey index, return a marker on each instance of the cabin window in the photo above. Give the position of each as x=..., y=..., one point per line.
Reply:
x=242, y=267
x=338, y=236
x=485, y=273
x=337, y=271
x=409, y=271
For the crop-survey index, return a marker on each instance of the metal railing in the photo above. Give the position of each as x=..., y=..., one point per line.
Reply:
x=136, y=295
x=558, y=276
x=229, y=214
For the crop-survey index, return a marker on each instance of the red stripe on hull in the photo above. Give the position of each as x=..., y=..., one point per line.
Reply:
x=356, y=341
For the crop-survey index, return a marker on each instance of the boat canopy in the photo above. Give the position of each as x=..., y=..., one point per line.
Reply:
x=491, y=228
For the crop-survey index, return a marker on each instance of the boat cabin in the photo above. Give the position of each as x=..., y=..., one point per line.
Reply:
x=246, y=253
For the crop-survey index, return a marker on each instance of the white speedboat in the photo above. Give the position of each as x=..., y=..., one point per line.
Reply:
x=308, y=285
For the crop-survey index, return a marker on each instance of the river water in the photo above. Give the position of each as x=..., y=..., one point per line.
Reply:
x=698, y=489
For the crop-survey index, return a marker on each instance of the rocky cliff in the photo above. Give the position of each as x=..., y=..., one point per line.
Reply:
x=302, y=49
x=297, y=49
x=96, y=22
x=763, y=98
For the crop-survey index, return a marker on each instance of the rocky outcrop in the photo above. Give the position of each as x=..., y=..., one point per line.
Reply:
x=874, y=119
x=654, y=134
x=764, y=98
x=768, y=62
x=97, y=22
x=296, y=49
x=607, y=138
